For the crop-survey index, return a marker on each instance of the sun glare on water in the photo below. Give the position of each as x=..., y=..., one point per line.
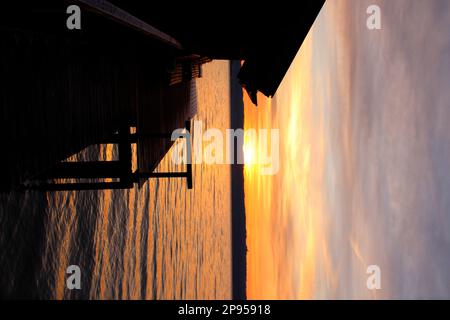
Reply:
x=249, y=154
x=250, y=149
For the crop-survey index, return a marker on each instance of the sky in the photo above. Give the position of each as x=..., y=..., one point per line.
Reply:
x=364, y=157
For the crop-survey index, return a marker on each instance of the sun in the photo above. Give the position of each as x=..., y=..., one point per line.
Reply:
x=249, y=153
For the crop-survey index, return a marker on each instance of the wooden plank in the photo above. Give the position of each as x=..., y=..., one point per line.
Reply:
x=118, y=15
x=80, y=186
x=189, y=161
x=189, y=176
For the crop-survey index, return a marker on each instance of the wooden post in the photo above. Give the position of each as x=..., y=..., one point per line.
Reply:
x=78, y=186
x=121, y=169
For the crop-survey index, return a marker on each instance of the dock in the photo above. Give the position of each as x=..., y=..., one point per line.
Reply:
x=130, y=65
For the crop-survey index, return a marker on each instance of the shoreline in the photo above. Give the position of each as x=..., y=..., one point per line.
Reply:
x=238, y=221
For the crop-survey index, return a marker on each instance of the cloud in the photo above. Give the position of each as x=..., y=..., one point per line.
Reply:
x=363, y=118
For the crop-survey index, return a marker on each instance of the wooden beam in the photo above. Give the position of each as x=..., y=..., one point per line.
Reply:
x=107, y=9
x=187, y=125
x=189, y=175
x=79, y=186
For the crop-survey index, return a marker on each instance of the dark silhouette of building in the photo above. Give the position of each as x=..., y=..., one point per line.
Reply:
x=129, y=66
x=267, y=36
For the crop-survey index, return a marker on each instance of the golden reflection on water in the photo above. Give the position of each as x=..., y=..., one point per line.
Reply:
x=161, y=241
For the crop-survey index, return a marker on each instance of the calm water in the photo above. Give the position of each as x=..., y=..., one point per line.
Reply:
x=161, y=241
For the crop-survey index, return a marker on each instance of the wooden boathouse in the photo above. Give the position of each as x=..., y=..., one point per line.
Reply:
x=131, y=65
